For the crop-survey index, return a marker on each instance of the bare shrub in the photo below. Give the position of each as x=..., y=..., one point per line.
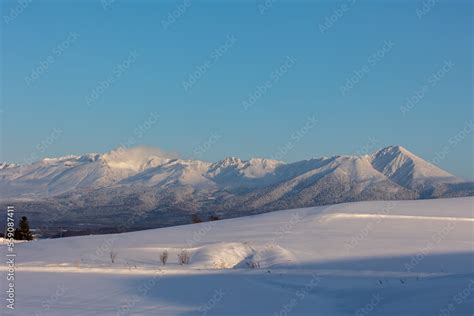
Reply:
x=164, y=257
x=214, y=218
x=113, y=256
x=253, y=264
x=184, y=257
x=196, y=219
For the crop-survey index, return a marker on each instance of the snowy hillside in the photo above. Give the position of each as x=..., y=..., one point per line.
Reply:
x=377, y=258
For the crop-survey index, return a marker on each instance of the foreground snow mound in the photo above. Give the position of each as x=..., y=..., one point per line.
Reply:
x=240, y=255
x=216, y=255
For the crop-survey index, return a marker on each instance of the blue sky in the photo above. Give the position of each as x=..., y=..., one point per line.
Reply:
x=292, y=80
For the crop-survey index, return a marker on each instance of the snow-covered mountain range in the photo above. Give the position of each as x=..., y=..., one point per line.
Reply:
x=94, y=187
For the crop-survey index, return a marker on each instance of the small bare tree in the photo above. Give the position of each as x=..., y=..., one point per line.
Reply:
x=184, y=257
x=214, y=217
x=113, y=256
x=164, y=257
x=253, y=264
x=196, y=219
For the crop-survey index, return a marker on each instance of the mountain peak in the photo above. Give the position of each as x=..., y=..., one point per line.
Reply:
x=5, y=165
x=393, y=150
x=407, y=169
x=231, y=160
x=225, y=164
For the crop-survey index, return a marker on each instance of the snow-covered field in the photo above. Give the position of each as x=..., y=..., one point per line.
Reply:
x=365, y=258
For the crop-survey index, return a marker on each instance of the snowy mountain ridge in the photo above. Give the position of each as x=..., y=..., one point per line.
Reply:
x=142, y=167
x=169, y=189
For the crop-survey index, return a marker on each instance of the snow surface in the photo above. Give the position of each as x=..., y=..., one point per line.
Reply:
x=365, y=258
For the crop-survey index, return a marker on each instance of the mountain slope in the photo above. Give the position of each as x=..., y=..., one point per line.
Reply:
x=91, y=190
x=412, y=172
x=407, y=169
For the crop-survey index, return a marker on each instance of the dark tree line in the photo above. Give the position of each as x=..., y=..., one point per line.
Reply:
x=22, y=232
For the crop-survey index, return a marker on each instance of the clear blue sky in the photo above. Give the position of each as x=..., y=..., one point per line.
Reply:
x=54, y=55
